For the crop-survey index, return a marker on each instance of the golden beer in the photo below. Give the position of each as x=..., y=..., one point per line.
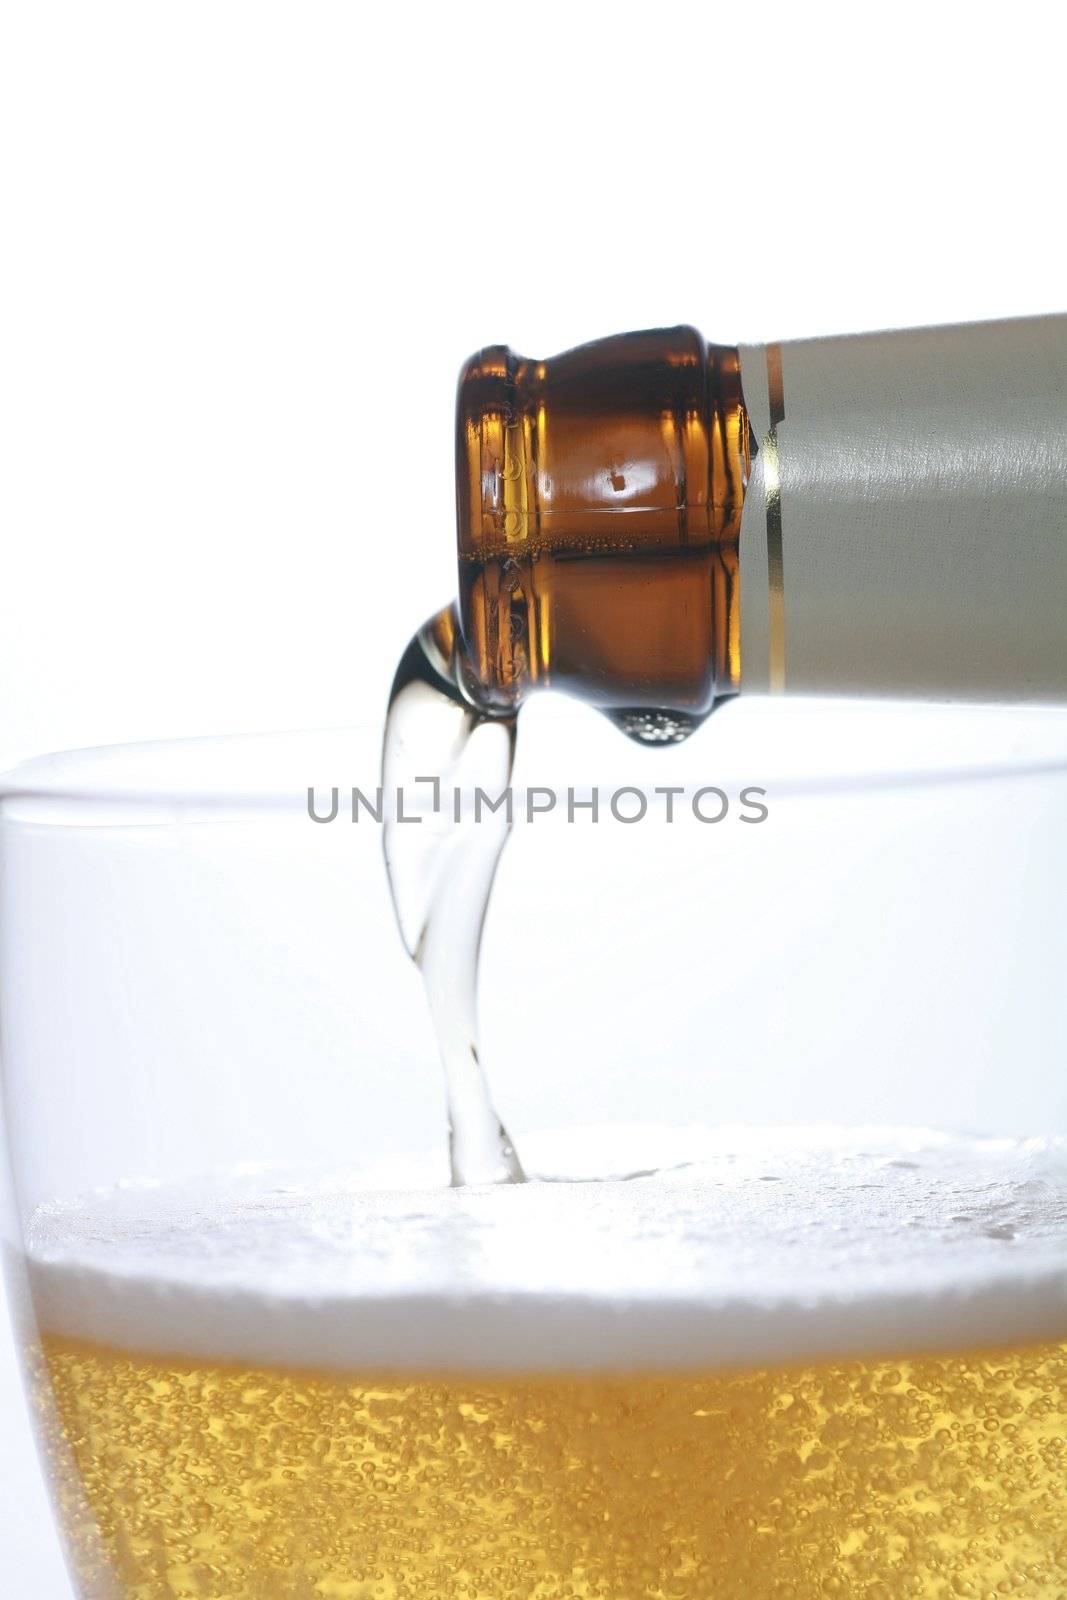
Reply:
x=936, y=1476
x=636, y=1396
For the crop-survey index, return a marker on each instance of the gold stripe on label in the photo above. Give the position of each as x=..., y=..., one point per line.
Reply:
x=772, y=482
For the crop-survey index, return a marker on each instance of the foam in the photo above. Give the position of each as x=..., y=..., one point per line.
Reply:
x=754, y=1246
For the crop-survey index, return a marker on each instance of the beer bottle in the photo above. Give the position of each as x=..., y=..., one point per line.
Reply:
x=655, y=523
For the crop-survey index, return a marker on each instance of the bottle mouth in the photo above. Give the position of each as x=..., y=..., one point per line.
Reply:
x=599, y=496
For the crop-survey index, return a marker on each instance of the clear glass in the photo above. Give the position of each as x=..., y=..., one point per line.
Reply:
x=226, y=1129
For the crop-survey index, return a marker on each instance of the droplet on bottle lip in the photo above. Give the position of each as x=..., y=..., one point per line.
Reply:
x=654, y=727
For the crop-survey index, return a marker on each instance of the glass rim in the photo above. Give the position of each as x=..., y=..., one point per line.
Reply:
x=863, y=746
x=247, y=772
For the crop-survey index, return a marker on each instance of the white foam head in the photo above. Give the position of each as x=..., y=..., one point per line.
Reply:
x=751, y=1247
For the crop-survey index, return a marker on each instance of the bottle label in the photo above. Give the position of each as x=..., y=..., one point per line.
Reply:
x=905, y=524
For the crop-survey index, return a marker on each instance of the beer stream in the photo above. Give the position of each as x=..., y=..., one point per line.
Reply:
x=441, y=868
x=441, y=874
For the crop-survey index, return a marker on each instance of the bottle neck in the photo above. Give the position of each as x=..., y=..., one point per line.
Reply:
x=599, y=504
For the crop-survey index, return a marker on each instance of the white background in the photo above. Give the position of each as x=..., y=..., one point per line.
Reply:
x=245, y=249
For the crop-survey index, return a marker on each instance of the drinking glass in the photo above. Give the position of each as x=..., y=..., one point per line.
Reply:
x=782, y=1056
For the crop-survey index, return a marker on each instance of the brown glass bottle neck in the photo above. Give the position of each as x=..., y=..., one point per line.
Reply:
x=599, y=505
